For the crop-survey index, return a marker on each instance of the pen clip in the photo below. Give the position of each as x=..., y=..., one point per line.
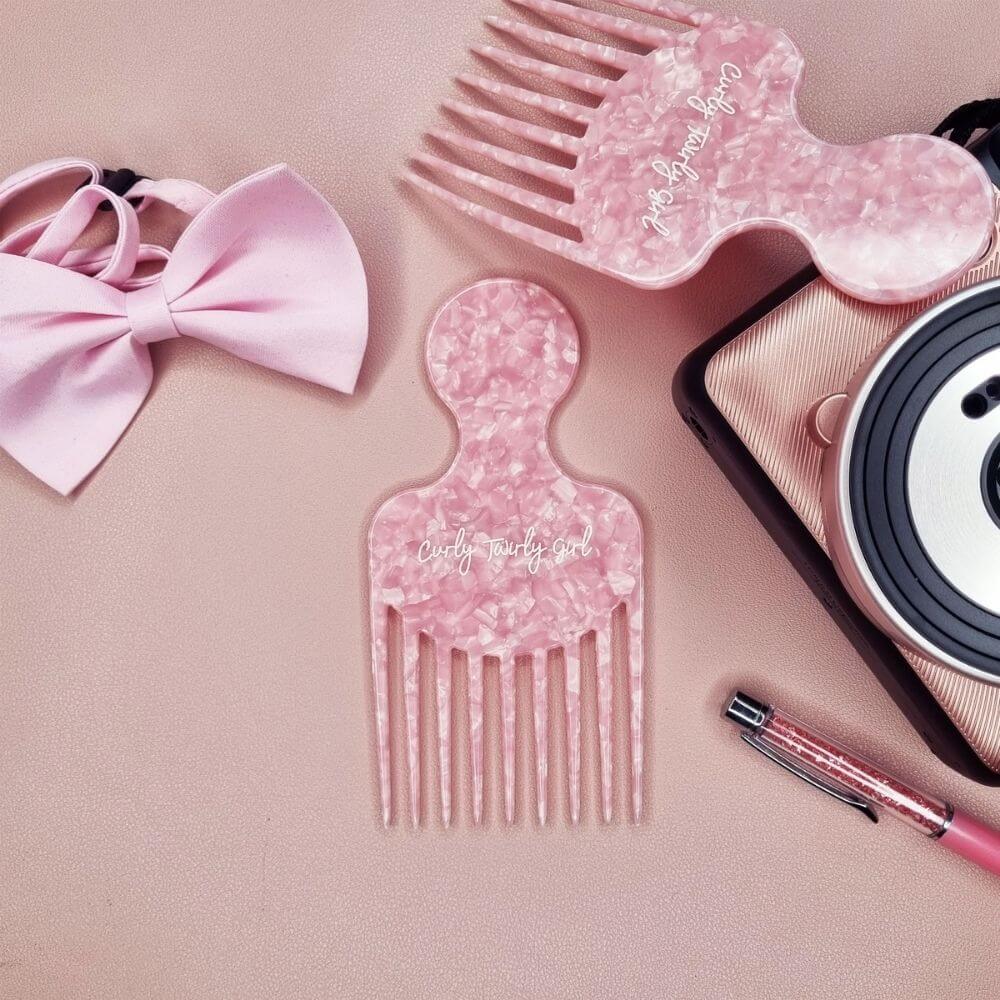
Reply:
x=832, y=789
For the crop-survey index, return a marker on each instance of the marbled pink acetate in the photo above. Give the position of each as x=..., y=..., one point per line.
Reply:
x=505, y=556
x=701, y=139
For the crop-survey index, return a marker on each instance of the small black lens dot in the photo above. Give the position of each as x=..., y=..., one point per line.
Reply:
x=975, y=405
x=993, y=388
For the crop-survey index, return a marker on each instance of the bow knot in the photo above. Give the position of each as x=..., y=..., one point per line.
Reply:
x=149, y=315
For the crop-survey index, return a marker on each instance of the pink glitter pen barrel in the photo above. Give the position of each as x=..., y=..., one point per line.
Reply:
x=850, y=778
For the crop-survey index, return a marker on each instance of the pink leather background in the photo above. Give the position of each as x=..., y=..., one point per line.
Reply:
x=188, y=802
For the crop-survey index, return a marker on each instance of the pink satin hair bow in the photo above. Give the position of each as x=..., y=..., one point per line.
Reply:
x=266, y=270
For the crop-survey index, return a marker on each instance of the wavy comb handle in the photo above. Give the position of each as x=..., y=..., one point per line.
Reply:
x=699, y=139
x=505, y=557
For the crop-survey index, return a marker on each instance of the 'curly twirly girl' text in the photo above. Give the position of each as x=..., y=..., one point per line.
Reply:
x=681, y=167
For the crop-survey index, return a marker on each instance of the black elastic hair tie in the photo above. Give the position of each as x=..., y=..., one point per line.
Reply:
x=119, y=182
x=966, y=120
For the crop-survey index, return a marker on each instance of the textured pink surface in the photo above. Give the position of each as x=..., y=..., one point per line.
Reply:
x=699, y=140
x=506, y=555
x=187, y=744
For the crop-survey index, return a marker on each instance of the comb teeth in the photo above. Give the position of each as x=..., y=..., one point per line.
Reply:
x=604, y=698
x=411, y=696
x=617, y=27
x=636, y=722
x=576, y=79
x=541, y=40
x=541, y=169
x=540, y=701
x=537, y=666
x=443, y=664
x=683, y=13
x=606, y=55
x=511, y=192
x=572, y=654
x=507, y=732
x=476, y=735
x=541, y=238
x=531, y=98
x=559, y=141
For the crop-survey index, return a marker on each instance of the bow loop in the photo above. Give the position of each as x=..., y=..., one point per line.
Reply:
x=69, y=223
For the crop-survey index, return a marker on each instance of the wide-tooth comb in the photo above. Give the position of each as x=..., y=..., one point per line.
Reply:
x=688, y=142
x=505, y=557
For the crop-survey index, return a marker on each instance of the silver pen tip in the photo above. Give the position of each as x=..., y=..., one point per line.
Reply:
x=744, y=710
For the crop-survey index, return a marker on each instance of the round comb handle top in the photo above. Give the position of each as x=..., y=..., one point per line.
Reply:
x=503, y=345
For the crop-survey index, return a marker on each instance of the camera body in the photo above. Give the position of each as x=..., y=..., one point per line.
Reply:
x=867, y=439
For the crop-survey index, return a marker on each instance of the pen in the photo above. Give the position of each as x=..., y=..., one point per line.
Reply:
x=850, y=778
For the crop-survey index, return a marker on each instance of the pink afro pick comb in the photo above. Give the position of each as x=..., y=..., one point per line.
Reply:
x=696, y=138
x=505, y=556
